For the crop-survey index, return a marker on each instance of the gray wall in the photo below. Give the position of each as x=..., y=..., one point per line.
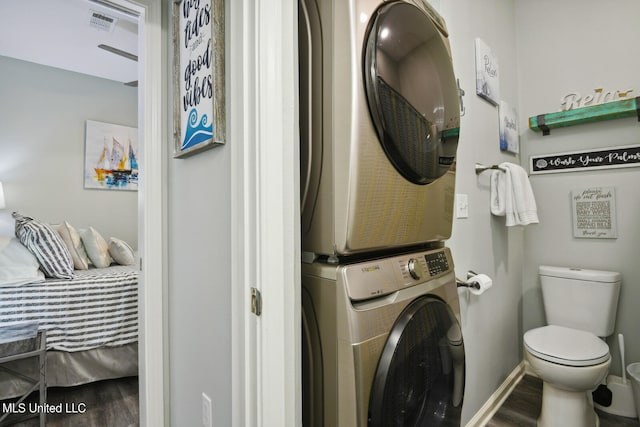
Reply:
x=481, y=242
x=199, y=196
x=199, y=286
x=42, y=128
x=567, y=46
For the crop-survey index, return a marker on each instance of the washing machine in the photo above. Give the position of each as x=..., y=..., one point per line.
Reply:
x=379, y=126
x=382, y=343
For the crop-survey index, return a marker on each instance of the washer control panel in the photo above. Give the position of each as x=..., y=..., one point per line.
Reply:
x=375, y=278
x=437, y=263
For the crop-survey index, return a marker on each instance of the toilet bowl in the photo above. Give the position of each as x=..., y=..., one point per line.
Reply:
x=569, y=355
x=571, y=363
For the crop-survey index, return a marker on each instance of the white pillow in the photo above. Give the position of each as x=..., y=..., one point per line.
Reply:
x=17, y=264
x=121, y=252
x=72, y=240
x=96, y=247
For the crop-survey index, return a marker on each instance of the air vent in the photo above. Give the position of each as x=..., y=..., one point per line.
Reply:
x=102, y=21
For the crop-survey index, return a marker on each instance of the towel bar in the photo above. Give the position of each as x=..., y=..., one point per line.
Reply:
x=481, y=168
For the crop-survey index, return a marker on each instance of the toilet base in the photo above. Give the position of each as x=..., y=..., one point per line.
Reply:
x=562, y=408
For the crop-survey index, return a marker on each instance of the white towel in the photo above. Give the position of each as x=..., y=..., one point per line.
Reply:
x=512, y=196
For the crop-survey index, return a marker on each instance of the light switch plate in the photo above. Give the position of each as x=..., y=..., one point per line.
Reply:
x=462, y=206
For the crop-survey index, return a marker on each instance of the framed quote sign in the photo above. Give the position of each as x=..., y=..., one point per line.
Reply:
x=199, y=104
x=594, y=213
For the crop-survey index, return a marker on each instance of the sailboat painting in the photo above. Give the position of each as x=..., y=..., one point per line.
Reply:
x=111, y=156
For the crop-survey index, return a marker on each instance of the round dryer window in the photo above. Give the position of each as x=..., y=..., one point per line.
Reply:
x=412, y=91
x=419, y=380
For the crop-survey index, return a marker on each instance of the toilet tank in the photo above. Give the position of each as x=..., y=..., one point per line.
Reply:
x=581, y=299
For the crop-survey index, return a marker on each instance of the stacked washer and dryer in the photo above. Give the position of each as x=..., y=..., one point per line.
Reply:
x=379, y=112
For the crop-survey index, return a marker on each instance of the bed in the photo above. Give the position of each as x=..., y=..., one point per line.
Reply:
x=91, y=319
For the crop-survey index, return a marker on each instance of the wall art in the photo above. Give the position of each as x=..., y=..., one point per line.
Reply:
x=199, y=87
x=487, y=75
x=110, y=156
x=594, y=213
x=607, y=158
x=509, y=134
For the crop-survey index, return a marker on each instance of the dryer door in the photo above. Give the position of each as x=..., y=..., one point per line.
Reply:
x=412, y=91
x=419, y=380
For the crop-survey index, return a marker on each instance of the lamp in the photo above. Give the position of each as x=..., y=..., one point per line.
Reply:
x=2, y=205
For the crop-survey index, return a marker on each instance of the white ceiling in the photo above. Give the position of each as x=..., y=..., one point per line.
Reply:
x=57, y=33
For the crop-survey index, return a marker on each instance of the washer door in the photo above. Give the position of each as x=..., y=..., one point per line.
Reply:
x=412, y=91
x=419, y=380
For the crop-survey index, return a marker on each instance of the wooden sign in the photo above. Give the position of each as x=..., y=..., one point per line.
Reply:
x=594, y=213
x=599, y=96
x=618, y=157
x=199, y=104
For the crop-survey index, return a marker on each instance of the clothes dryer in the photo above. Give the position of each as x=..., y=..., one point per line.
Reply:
x=380, y=117
x=382, y=343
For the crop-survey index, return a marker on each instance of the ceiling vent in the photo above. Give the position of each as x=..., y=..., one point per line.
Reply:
x=102, y=21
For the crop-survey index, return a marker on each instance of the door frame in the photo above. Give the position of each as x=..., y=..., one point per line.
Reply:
x=152, y=310
x=266, y=350
x=266, y=381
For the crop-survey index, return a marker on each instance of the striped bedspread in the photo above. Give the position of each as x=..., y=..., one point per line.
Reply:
x=98, y=308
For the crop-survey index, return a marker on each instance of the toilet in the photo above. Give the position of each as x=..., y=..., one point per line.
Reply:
x=567, y=354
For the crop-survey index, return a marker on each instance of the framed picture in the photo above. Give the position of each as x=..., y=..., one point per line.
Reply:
x=110, y=156
x=199, y=103
x=487, y=82
x=594, y=213
x=509, y=135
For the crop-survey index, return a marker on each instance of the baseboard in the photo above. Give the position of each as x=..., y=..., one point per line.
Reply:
x=491, y=406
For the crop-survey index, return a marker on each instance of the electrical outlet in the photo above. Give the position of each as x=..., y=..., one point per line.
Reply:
x=207, y=415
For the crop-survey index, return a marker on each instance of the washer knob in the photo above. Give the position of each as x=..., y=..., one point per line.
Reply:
x=415, y=269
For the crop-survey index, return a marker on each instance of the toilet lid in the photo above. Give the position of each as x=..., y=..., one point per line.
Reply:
x=566, y=346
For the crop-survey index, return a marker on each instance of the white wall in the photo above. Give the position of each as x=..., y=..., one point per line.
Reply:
x=42, y=132
x=578, y=45
x=481, y=242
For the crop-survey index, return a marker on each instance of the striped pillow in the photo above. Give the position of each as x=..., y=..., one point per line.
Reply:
x=47, y=246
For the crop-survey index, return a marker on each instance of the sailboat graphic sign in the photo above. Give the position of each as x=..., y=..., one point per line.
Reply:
x=111, y=156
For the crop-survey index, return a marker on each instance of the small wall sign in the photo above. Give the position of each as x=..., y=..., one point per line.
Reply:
x=509, y=135
x=487, y=77
x=617, y=157
x=598, y=96
x=594, y=213
x=198, y=43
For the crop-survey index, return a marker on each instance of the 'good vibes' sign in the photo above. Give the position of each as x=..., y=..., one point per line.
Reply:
x=198, y=73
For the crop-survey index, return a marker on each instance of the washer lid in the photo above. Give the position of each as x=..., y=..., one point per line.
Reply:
x=566, y=346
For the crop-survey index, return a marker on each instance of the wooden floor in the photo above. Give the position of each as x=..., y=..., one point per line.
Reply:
x=110, y=403
x=522, y=407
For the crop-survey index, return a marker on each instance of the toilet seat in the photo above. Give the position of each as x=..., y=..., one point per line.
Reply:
x=566, y=346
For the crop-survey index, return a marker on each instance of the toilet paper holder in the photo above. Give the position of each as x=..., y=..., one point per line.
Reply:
x=466, y=284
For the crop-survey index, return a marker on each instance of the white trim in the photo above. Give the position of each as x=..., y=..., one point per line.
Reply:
x=151, y=219
x=277, y=214
x=241, y=133
x=491, y=406
x=263, y=135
